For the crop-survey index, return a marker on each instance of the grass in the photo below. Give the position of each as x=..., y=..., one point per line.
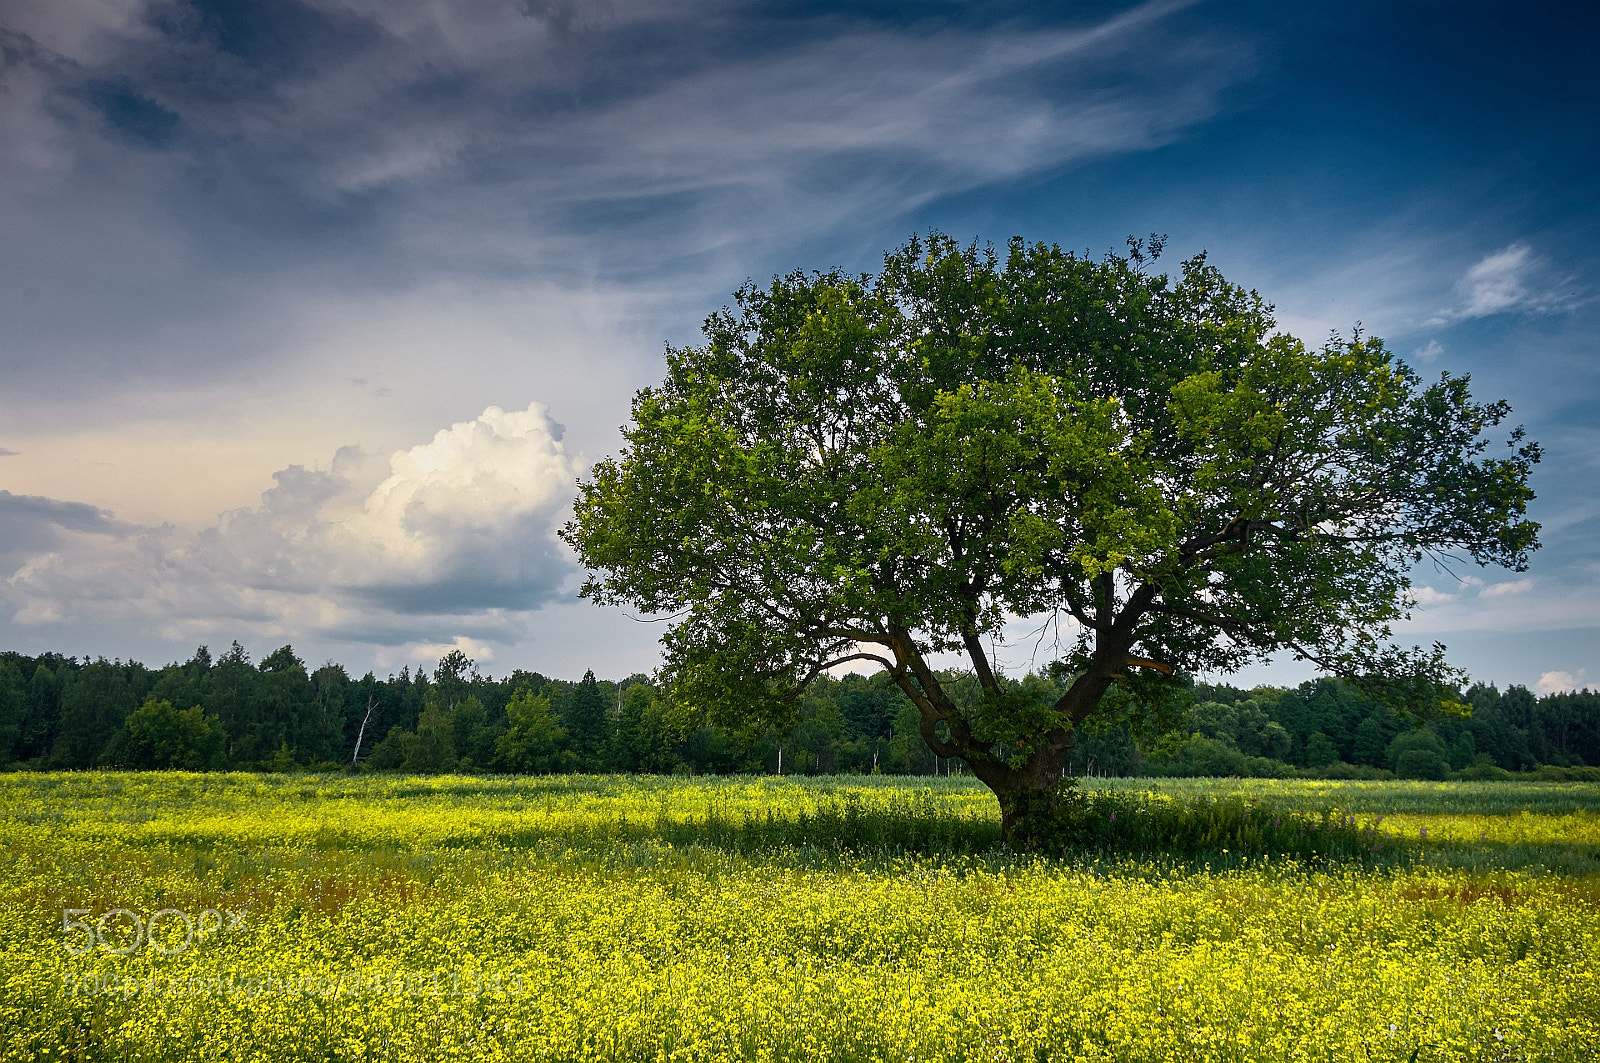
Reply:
x=622, y=918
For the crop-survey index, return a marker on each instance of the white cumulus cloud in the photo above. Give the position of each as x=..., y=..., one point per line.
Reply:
x=1500, y=590
x=463, y=521
x=426, y=654
x=446, y=543
x=1428, y=596
x=1560, y=682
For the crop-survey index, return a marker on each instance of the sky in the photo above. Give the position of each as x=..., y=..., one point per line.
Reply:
x=312, y=312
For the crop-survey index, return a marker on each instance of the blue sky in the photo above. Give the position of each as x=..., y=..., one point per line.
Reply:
x=311, y=311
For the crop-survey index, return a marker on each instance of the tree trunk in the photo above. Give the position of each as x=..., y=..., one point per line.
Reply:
x=1029, y=796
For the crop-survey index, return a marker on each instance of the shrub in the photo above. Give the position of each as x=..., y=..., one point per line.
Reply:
x=1114, y=821
x=1421, y=764
x=1483, y=769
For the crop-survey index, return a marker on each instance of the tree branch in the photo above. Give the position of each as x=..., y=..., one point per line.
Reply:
x=823, y=666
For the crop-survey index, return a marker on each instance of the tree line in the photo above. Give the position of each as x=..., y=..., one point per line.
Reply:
x=232, y=713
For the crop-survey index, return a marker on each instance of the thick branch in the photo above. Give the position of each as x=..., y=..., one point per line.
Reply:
x=980, y=660
x=1075, y=606
x=1110, y=660
x=1232, y=539
x=925, y=691
x=823, y=666
x=929, y=729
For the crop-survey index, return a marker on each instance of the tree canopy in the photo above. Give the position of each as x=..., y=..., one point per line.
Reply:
x=888, y=467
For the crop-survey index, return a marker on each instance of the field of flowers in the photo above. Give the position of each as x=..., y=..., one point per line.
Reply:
x=175, y=916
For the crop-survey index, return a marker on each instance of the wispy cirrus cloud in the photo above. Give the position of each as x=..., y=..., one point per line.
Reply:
x=483, y=137
x=326, y=169
x=1513, y=280
x=372, y=188
x=1521, y=605
x=1501, y=590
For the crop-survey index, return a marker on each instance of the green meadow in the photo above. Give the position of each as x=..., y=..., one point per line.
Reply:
x=169, y=916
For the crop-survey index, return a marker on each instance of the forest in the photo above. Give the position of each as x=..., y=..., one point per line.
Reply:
x=231, y=713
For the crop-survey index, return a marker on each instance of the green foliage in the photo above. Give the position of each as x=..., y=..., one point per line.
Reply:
x=1418, y=755
x=431, y=748
x=95, y=701
x=535, y=739
x=41, y=722
x=470, y=734
x=853, y=724
x=1320, y=750
x=13, y=710
x=886, y=467
x=587, y=721
x=283, y=660
x=156, y=735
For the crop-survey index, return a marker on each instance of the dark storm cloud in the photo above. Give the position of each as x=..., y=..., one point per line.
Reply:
x=535, y=575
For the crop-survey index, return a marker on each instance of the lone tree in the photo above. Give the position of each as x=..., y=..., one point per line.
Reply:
x=888, y=467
